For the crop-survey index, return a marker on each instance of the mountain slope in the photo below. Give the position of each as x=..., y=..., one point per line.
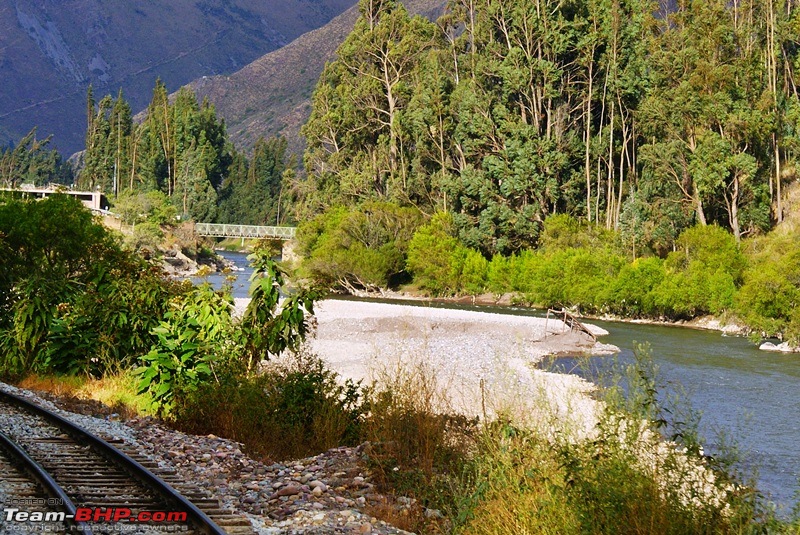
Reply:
x=50, y=50
x=272, y=95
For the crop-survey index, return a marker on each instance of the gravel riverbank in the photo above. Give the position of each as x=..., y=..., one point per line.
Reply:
x=484, y=363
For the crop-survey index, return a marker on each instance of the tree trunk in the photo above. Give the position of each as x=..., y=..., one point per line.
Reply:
x=588, y=139
x=698, y=205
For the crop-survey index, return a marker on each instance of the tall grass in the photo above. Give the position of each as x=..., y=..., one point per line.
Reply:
x=641, y=470
x=117, y=391
x=624, y=477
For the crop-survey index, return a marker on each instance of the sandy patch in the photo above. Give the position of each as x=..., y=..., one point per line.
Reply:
x=484, y=362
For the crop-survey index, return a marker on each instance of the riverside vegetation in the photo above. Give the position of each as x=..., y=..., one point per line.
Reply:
x=561, y=154
x=582, y=153
x=80, y=305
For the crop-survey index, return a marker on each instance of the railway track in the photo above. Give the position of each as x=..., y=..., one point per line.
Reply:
x=20, y=490
x=106, y=485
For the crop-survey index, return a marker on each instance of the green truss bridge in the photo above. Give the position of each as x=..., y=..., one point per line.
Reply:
x=224, y=230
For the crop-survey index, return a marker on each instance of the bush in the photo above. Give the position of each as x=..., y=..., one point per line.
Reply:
x=294, y=409
x=562, y=231
x=139, y=207
x=362, y=248
x=436, y=257
x=699, y=289
x=474, y=272
x=499, y=274
x=631, y=293
x=418, y=447
x=74, y=300
x=108, y=325
x=712, y=248
x=768, y=299
x=195, y=336
x=624, y=479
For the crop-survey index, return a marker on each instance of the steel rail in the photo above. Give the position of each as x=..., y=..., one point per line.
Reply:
x=133, y=467
x=50, y=485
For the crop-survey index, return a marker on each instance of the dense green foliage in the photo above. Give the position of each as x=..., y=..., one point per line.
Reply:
x=29, y=162
x=199, y=334
x=252, y=192
x=506, y=112
x=181, y=149
x=590, y=272
x=362, y=248
x=610, y=156
x=72, y=300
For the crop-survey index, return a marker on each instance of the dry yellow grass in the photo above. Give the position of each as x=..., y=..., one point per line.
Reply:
x=115, y=391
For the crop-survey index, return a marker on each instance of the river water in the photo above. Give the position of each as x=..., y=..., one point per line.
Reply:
x=743, y=393
x=238, y=278
x=747, y=395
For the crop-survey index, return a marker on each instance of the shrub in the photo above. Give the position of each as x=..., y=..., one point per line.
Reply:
x=768, y=299
x=499, y=273
x=699, y=289
x=625, y=479
x=362, y=248
x=418, y=447
x=294, y=408
x=265, y=329
x=81, y=303
x=562, y=231
x=152, y=206
x=195, y=335
x=436, y=257
x=474, y=272
x=23, y=333
x=198, y=334
x=108, y=325
x=631, y=293
x=712, y=248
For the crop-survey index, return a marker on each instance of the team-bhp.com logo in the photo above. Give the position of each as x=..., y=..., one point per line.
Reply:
x=114, y=515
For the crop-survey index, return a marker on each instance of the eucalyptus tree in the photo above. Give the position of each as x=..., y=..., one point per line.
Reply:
x=705, y=120
x=514, y=137
x=356, y=146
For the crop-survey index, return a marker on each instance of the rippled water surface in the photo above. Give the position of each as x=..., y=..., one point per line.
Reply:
x=239, y=280
x=750, y=395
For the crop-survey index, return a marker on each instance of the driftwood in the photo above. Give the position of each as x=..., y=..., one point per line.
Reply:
x=569, y=320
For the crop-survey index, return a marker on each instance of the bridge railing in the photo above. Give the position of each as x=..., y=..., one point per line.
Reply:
x=224, y=230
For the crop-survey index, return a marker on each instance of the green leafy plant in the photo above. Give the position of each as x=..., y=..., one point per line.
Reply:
x=195, y=335
x=265, y=329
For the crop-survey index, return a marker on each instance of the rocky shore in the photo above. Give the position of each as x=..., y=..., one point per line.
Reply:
x=179, y=265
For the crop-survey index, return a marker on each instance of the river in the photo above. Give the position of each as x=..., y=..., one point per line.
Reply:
x=747, y=395
x=238, y=279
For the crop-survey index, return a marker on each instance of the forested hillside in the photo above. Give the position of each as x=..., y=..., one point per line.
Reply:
x=506, y=112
